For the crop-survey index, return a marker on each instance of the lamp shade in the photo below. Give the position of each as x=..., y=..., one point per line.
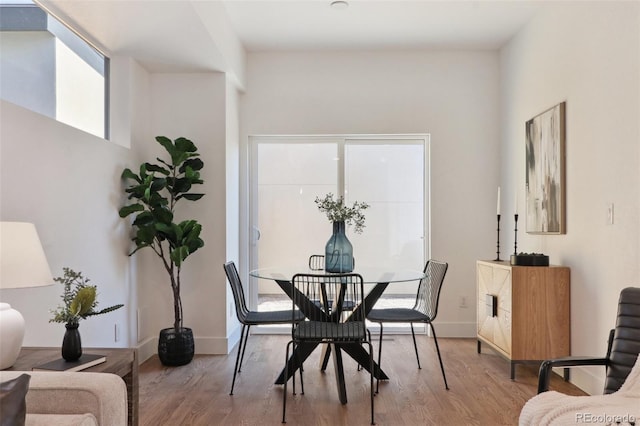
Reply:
x=22, y=259
x=22, y=264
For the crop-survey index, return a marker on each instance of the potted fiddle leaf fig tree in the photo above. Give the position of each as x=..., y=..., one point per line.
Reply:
x=155, y=192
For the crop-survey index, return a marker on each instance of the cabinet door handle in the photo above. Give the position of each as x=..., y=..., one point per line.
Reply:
x=492, y=304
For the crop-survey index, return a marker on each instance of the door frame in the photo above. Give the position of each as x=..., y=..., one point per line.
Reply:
x=248, y=244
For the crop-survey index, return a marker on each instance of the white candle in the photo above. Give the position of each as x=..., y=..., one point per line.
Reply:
x=498, y=207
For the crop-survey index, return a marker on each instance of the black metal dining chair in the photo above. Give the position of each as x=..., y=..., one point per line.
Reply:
x=316, y=263
x=324, y=324
x=424, y=310
x=248, y=318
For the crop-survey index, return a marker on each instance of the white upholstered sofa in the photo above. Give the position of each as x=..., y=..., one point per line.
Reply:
x=78, y=398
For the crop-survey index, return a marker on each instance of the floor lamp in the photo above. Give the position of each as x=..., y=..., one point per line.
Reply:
x=22, y=264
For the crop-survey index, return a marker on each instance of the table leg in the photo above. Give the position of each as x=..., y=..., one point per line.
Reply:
x=358, y=352
x=361, y=356
x=339, y=370
x=324, y=358
x=299, y=355
x=354, y=350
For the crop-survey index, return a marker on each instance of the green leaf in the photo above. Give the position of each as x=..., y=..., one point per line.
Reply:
x=158, y=184
x=180, y=158
x=181, y=185
x=178, y=232
x=127, y=210
x=163, y=215
x=143, y=219
x=179, y=254
x=145, y=235
x=193, y=163
x=128, y=174
x=191, y=197
x=164, y=162
x=106, y=310
x=167, y=144
x=185, y=145
x=190, y=227
x=155, y=168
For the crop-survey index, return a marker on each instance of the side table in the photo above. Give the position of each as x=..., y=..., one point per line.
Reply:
x=524, y=312
x=120, y=361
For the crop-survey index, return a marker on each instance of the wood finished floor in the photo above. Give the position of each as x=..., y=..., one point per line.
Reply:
x=481, y=392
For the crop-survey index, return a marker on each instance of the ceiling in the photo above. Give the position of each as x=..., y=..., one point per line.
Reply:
x=376, y=24
x=180, y=34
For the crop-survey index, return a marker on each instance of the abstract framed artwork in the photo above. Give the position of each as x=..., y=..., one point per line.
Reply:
x=545, y=172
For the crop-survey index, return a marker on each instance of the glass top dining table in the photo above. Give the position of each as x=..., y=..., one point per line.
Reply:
x=376, y=280
x=370, y=274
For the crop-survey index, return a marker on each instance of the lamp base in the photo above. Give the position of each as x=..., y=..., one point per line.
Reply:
x=11, y=335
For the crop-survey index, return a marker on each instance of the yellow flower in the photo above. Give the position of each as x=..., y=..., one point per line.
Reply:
x=82, y=303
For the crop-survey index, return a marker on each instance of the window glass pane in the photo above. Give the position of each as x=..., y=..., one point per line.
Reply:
x=79, y=92
x=389, y=176
x=290, y=176
x=47, y=68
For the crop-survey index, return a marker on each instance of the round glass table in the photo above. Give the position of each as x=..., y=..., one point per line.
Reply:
x=376, y=280
x=370, y=274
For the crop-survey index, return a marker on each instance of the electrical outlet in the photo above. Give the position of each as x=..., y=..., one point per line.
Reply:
x=116, y=332
x=463, y=302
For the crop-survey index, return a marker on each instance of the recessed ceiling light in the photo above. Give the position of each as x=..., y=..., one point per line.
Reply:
x=339, y=4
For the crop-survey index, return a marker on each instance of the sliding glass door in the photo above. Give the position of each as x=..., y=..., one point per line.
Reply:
x=388, y=172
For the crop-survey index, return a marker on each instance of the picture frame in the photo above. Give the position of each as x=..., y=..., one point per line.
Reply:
x=545, y=172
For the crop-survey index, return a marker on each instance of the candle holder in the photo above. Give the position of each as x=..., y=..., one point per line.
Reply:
x=515, y=239
x=498, y=242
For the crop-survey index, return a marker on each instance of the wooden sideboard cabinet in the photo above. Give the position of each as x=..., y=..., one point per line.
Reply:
x=524, y=311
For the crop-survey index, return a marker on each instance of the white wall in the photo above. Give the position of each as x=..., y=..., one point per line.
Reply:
x=451, y=95
x=27, y=66
x=586, y=54
x=193, y=106
x=232, y=200
x=66, y=182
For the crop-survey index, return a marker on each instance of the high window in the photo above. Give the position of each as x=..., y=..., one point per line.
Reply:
x=47, y=67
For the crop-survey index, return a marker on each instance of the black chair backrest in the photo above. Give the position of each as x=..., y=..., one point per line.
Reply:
x=429, y=289
x=625, y=346
x=316, y=262
x=345, y=288
x=237, y=290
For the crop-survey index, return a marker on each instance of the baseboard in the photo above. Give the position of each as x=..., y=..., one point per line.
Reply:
x=203, y=345
x=224, y=345
x=211, y=345
x=589, y=379
x=456, y=329
x=147, y=348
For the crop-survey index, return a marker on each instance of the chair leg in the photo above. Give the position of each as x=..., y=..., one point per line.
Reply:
x=415, y=346
x=371, y=378
x=301, y=379
x=379, y=356
x=244, y=347
x=435, y=339
x=235, y=369
x=284, y=394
